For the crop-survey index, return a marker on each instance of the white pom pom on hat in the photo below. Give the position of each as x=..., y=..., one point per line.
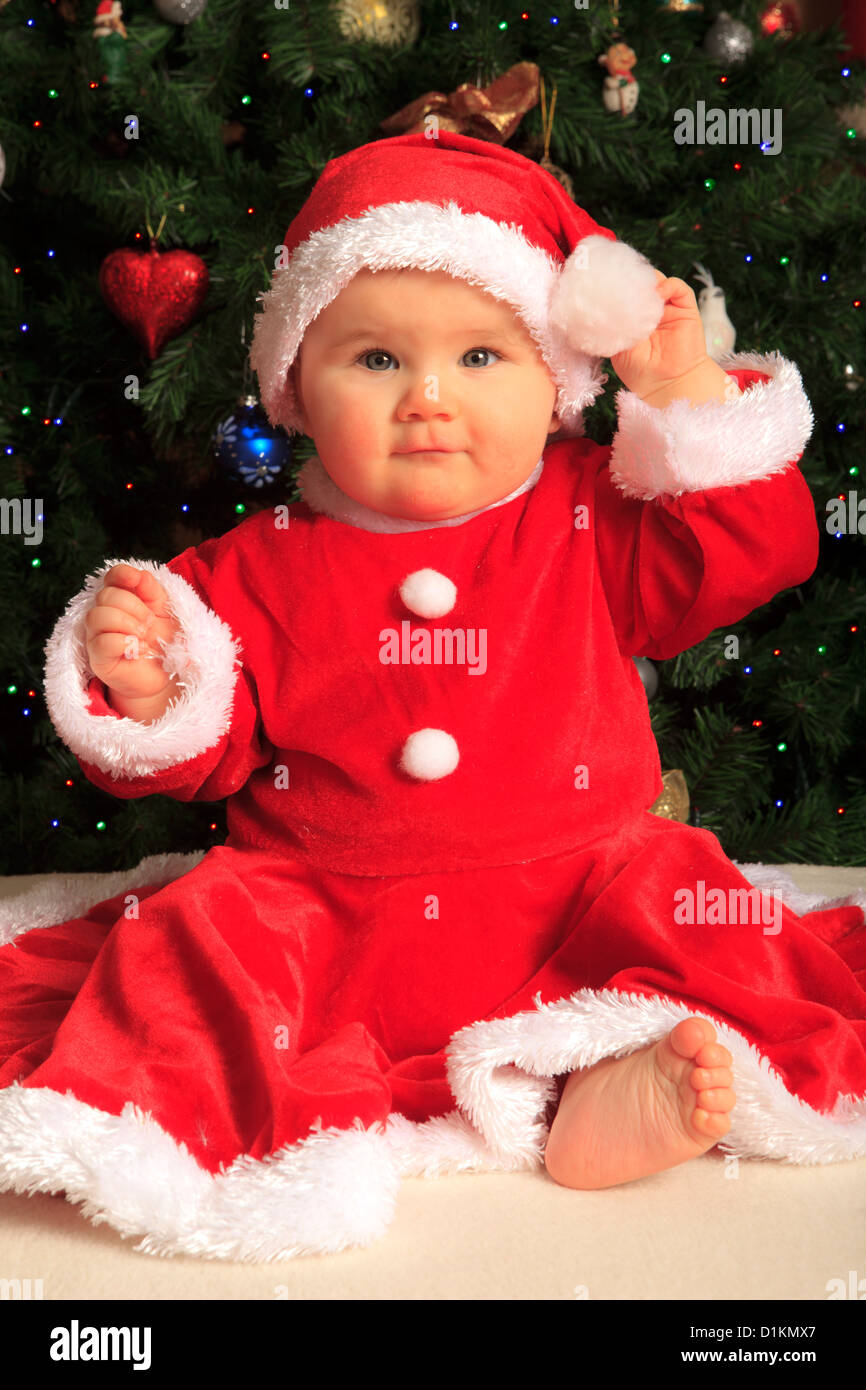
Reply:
x=479, y=212
x=604, y=299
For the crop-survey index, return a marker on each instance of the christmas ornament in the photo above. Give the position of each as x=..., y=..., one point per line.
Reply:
x=547, y=126
x=250, y=449
x=109, y=28
x=648, y=674
x=2, y=166
x=729, y=41
x=680, y=7
x=179, y=11
x=232, y=133
x=673, y=804
x=155, y=294
x=485, y=113
x=719, y=333
x=621, y=88
x=780, y=19
x=391, y=23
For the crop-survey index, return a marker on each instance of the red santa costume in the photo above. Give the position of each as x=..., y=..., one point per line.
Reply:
x=442, y=890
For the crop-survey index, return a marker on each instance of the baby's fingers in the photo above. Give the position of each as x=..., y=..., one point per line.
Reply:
x=107, y=650
x=677, y=292
x=121, y=601
x=141, y=584
x=135, y=639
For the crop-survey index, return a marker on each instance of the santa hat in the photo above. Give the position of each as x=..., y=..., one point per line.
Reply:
x=479, y=212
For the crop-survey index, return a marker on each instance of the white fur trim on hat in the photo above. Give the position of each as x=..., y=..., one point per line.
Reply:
x=429, y=754
x=686, y=448
x=492, y=255
x=605, y=298
x=204, y=655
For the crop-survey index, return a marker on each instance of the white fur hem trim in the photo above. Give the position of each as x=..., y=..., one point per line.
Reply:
x=338, y=1188
x=203, y=657
x=688, y=448
x=495, y=256
x=334, y=1189
x=500, y=1072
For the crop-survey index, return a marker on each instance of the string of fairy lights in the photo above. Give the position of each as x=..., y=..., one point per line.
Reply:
x=29, y=413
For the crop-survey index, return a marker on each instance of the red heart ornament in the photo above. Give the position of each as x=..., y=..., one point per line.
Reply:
x=155, y=294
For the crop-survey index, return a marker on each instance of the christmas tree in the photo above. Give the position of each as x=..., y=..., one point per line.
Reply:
x=153, y=161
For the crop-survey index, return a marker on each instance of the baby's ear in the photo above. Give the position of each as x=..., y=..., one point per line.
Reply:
x=295, y=380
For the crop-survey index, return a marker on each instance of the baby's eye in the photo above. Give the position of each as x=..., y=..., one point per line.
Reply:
x=489, y=351
x=371, y=352
x=382, y=352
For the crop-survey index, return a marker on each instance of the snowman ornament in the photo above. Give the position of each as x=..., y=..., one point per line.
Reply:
x=621, y=88
x=719, y=333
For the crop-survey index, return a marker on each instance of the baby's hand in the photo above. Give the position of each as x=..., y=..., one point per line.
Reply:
x=676, y=346
x=130, y=615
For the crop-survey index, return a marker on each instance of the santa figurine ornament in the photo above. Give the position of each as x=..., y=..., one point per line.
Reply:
x=446, y=934
x=110, y=30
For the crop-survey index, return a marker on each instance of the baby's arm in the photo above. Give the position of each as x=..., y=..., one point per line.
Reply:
x=704, y=382
x=147, y=709
x=672, y=363
x=701, y=514
x=199, y=736
x=128, y=628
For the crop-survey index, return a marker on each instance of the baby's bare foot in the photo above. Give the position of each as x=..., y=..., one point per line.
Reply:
x=626, y=1117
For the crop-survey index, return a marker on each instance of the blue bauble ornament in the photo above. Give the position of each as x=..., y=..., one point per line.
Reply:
x=248, y=446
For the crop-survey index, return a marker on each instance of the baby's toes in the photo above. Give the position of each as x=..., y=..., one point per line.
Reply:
x=715, y=1098
x=690, y=1036
x=712, y=1123
x=711, y=1078
x=713, y=1054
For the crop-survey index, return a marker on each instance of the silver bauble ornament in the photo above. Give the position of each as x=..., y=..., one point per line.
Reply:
x=391, y=23
x=728, y=41
x=179, y=11
x=648, y=674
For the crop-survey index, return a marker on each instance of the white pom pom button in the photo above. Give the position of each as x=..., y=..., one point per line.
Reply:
x=429, y=754
x=428, y=593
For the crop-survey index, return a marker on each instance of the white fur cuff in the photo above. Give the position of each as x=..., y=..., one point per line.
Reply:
x=686, y=448
x=203, y=657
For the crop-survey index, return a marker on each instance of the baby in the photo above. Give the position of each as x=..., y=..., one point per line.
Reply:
x=443, y=932
x=427, y=399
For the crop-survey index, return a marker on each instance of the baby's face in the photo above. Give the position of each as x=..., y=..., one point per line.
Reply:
x=409, y=358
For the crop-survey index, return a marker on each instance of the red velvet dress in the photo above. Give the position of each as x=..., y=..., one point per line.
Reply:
x=442, y=890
